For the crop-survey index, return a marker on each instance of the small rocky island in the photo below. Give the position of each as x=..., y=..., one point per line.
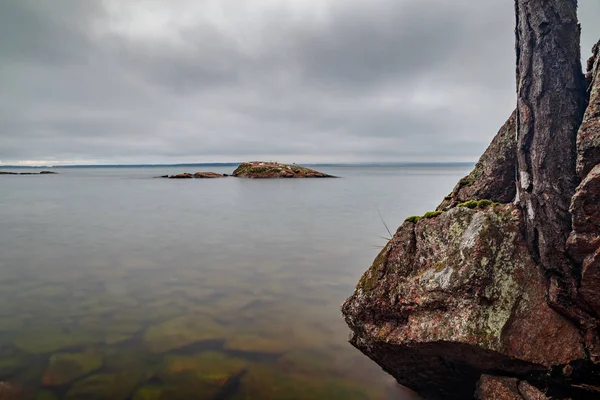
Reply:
x=197, y=175
x=496, y=293
x=29, y=173
x=266, y=170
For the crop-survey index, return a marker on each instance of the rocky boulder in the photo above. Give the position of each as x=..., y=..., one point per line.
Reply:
x=473, y=300
x=264, y=170
x=454, y=295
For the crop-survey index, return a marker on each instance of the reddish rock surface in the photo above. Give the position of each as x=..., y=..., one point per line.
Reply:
x=454, y=295
x=493, y=177
x=503, y=388
x=266, y=170
x=197, y=175
x=588, y=137
x=584, y=241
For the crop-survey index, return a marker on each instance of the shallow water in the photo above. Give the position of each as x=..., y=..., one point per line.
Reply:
x=115, y=285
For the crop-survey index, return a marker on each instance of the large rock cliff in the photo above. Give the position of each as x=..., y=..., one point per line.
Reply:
x=466, y=302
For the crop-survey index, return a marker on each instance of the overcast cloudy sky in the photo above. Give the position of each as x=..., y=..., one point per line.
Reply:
x=157, y=81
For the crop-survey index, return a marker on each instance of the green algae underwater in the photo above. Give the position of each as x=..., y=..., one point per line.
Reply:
x=113, y=292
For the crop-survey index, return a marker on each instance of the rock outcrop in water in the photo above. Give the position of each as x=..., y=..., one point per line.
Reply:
x=29, y=173
x=197, y=175
x=264, y=170
x=496, y=295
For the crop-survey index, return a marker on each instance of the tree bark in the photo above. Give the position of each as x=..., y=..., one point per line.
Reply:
x=551, y=100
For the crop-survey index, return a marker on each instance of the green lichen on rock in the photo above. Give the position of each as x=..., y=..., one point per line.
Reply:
x=476, y=204
x=432, y=214
x=414, y=219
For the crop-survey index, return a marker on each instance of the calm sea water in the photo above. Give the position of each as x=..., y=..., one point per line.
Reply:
x=116, y=285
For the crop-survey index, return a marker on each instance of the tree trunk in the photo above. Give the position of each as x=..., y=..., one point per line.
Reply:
x=551, y=99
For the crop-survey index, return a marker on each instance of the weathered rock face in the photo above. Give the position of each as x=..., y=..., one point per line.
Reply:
x=264, y=170
x=588, y=137
x=455, y=295
x=584, y=241
x=502, y=388
x=493, y=177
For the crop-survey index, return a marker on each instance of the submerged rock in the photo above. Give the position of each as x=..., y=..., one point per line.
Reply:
x=52, y=340
x=180, y=332
x=254, y=343
x=10, y=365
x=263, y=170
x=200, y=376
x=261, y=382
x=105, y=387
x=66, y=367
x=10, y=391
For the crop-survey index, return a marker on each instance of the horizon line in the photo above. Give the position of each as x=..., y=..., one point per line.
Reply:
x=228, y=164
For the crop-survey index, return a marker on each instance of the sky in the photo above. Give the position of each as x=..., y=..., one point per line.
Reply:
x=178, y=81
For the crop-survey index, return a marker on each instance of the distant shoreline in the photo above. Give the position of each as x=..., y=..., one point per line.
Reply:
x=369, y=164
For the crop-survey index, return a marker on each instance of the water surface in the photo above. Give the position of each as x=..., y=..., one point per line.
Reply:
x=116, y=285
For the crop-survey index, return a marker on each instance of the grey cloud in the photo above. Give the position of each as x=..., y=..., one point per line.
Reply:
x=384, y=80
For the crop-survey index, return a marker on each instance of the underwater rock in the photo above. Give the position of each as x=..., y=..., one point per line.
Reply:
x=263, y=170
x=52, y=340
x=64, y=368
x=10, y=391
x=11, y=364
x=493, y=177
x=254, y=343
x=45, y=395
x=181, y=331
x=105, y=387
x=201, y=376
x=262, y=382
x=211, y=368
